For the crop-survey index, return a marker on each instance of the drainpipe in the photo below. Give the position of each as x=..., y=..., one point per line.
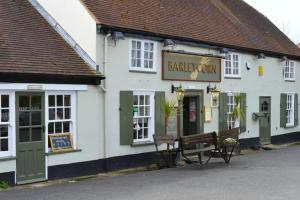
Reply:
x=103, y=87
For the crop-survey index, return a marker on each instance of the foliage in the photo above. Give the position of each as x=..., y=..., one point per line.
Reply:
x=4, y=185
x=169, y=108
x=237, y=111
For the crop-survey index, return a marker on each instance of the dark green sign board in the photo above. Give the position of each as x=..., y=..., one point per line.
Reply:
x=190, y=67
x=61, y=142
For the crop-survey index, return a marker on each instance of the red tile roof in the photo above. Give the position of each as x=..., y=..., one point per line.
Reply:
x=30, y=46
x=229, y=23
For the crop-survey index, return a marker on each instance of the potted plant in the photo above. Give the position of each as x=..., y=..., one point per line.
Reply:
x=169, y=109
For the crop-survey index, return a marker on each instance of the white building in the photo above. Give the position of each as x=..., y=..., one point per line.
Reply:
x=145, y=47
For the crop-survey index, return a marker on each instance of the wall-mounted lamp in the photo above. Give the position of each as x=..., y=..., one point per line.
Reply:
x=169, y=42
x=284, y=59
x=261, y=56
x=180, y=92
x=210, y=89
x=224, y=50
x=117, y=36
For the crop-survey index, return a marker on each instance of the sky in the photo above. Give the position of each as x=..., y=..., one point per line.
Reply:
x=285, y=14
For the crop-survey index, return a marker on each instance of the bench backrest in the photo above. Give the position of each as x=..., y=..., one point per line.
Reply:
x=207, y=138
x=163, y=139
x=232, y=133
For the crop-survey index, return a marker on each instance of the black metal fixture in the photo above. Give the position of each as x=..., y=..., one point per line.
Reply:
x=224, y=50
x=210, y=89
x=261, y=56
x=179, y=92
x=169, y=42
x=117, y=36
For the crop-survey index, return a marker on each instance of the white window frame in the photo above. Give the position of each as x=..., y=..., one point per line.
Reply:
x=230, y=104
x=152, y=116
x=232, y=62
x=289, y=70
x=142, y=68
x=11, y=125
x=290, y=109
x=73, y=127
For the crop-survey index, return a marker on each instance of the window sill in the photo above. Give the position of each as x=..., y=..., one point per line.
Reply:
x=289, y=126
x=144, y=143
x=290, y=80
x=7, y=158
x=63, y=152
x=232, y=77
x=142, y=71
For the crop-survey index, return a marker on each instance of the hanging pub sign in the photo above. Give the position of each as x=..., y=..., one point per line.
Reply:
x=190, y=67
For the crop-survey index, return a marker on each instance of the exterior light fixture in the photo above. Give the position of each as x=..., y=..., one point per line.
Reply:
x=284, y=59
x=210, y=89
x=180, y=92
x=117, y=36
x=169, y=42
x=261, y=56
x=224, y=50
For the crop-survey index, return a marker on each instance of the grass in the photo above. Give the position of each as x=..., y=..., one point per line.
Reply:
x=4, y=185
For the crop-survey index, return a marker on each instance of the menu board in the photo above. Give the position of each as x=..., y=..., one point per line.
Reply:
x=61, y=142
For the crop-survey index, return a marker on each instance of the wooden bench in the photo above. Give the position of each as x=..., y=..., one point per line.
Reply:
x=169, y=140
x=197, y=145
x=226, y=149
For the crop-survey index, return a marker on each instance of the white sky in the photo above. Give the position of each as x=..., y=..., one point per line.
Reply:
x=285, y=14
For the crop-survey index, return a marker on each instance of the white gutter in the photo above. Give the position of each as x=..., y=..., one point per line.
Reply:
x=103, y=87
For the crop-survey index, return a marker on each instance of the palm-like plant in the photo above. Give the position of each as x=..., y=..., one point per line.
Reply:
x=169, y=108
x=237, y=112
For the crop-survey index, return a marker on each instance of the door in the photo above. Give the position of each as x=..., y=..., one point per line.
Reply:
x=192, y=108
x=265, y=121
x=30, y=144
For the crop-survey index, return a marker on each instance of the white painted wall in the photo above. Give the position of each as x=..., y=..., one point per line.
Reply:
x=7, y=166
x=76, y=20
x=89, y=129
x=119, y=78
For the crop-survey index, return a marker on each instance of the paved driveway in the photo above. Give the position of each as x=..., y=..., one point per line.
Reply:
x=265, y=175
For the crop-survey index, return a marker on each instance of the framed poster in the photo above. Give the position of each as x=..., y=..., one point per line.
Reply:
x=208, y=114
x=61, y=142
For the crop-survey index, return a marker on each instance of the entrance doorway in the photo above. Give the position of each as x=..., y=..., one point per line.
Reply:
x=265, y=122
x=192, y=113
x=30, y=140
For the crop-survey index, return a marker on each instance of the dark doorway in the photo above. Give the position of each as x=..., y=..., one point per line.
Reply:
x=192, y=113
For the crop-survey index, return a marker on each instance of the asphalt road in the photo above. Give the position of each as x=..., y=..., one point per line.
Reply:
x=268, y=175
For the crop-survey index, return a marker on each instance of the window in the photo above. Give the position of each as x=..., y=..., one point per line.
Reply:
x=231, y=104
x=232, y=65
x=5, y=125
x=143, y=116
x=142, y=55
x=289, y=70
x=61, y=110
x=290, y=110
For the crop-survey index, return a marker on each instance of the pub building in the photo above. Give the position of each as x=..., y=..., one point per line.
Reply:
x=200, y=54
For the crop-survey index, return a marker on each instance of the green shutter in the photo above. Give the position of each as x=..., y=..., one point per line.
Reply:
x=283, y=101
x=296, y=121
x=201, y=112
x=126, y=117
x=243, y=121
x=223, y=110
x=159, y=113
